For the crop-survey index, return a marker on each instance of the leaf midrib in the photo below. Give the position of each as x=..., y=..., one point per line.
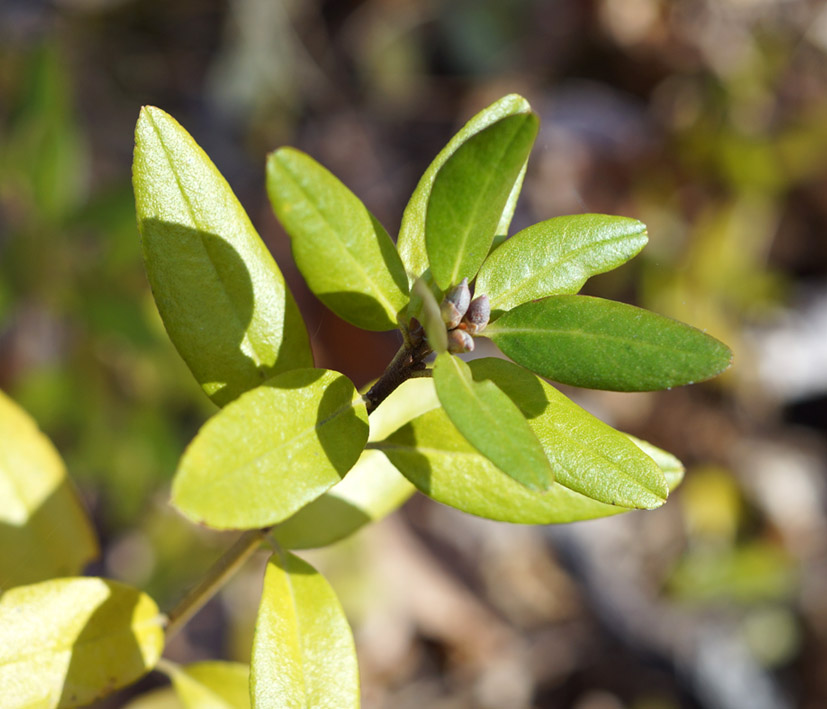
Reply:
x=526, y=283
x=465, y=233
x=200, y=227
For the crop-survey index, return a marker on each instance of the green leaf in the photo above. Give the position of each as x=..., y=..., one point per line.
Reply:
x=672, y=469
x=587, y=455
x=469, y=194
x=344, y=254
x=221, y=295
x=272, y=451
x=372, y=489
x=435, y=457
x=44, y=531
x=598, y=471
x=601, y=344
x=557, y=256
x=491, y=422
x=303, y=652
x=426, y=310
x=411, y=242
x=211, y=685
x=67, y=642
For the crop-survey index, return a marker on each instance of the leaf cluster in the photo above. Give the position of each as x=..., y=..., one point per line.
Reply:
x=298, y=451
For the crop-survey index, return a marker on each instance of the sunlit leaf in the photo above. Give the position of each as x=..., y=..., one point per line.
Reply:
x=602, y=344
x=67, y=642
x=589, y=459
x=491, y=422
x=303, y=652
x=44, y=531
x=272, y=451
x=586, y=455
x=411, y=242
x=344, y=254
x=372, y=489
x=211, y=685
x=470, y=193
x=557, y=256
x=220, y=293
x=436, y=458
x=670, y=466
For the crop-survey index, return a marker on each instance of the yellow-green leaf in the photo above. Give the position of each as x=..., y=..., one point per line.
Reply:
x=491, y=422
x=670, y=466
x=211, y=685
x=343, y=252
x=557, y=256
x=67, y=642
x=598, y=471
x=435, y=457
x=303, y=652
x=44, y=531
x=372, y=489
x=221, y=295
x=273, y=450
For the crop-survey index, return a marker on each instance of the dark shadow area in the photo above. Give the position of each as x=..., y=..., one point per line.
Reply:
x=341, y=432
x=351, y=306
x=204, y=292
x=56, y=540
x=106, y=636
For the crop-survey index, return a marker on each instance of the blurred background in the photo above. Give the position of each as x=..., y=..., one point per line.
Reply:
x=706, y=119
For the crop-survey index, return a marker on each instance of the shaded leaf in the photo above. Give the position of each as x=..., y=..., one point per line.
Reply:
x=425, y=309
x=221, y=295
x=344, y=254
x=272, y=451
x=44, y=531
x=411, y=242
x=470, y=193
x=557, y=256
x=164, y=698
x=211, y=685
x=602, y=344
x=372, y=489
x=67, y=642
x=491, y=422
x=303, y=652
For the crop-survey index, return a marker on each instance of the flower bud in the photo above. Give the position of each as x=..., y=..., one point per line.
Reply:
x=460, y=341
x=455, y=304
x=477, y=315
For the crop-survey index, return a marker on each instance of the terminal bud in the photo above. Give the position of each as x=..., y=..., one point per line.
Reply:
x=455, y=304
x=477, y=315
x=460, y=341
